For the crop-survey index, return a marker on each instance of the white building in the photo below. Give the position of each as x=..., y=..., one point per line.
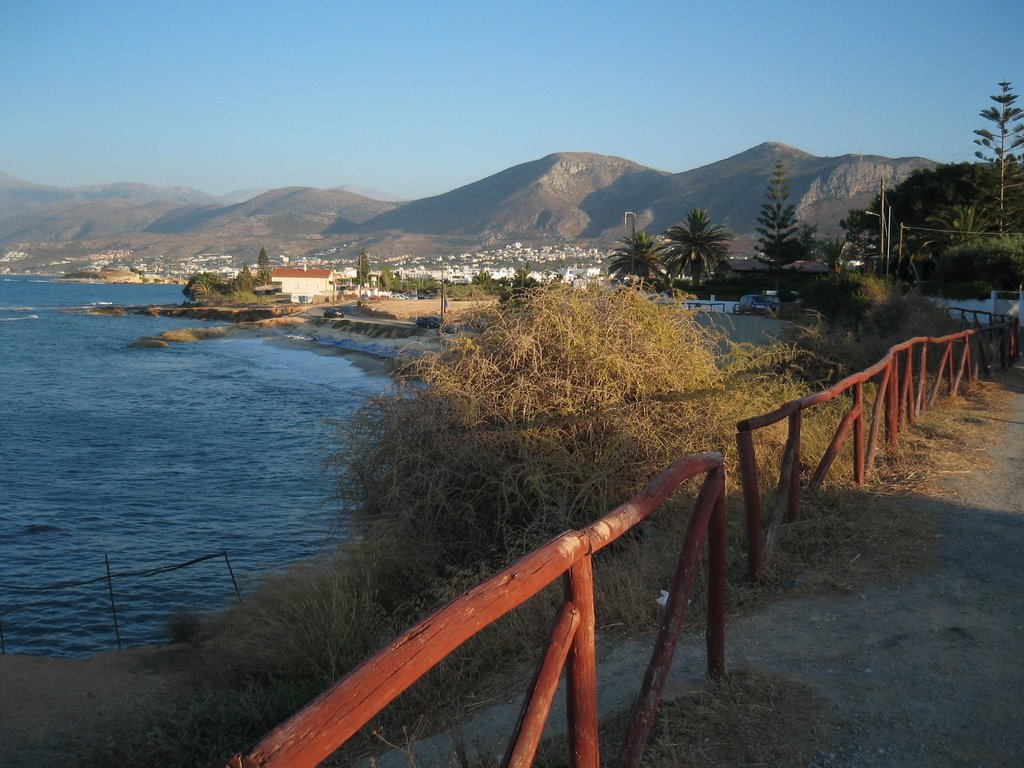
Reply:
x=304, y=285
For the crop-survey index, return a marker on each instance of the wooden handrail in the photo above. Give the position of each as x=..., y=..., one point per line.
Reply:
x=327, y=722
x=898, y=401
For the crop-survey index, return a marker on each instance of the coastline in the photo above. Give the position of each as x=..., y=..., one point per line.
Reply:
x=312, y=333
x=384, y=330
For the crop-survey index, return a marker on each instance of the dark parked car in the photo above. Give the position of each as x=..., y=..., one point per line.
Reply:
x=333, y=312
x=754, y=305
x=429, y=321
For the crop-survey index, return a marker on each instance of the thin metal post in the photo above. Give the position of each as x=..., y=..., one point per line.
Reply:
x=232, y=574
x=113, y=607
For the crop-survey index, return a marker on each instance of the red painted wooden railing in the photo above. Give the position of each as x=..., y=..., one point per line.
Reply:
x=331, y=719
x=902, y=393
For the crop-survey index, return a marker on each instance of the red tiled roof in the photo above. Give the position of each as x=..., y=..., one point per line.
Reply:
x=295, y=272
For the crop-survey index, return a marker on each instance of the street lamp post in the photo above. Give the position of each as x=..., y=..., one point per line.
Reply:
x=442, y=290
x=884, y=238
x=630, y=216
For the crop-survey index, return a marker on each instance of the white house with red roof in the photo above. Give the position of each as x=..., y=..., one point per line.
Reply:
x=304, y=284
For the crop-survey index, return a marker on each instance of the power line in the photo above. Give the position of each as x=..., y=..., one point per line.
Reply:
x=961, y=231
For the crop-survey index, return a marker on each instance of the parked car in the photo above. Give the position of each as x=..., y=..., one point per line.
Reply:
x=428, y=321
x=333, y=312
x=754, y=304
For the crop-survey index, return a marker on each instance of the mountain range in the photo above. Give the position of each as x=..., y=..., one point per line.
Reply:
x=568, y=196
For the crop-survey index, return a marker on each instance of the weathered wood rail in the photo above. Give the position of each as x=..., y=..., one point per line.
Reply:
x=902, y=393
x=327, y=722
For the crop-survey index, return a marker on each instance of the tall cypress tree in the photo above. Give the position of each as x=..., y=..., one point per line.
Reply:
x=778, y=221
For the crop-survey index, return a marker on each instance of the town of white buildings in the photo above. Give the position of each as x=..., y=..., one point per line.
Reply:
x=542, y=263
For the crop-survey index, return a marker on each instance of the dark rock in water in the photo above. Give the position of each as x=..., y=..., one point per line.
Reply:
x=147, y=342
x=35, y=528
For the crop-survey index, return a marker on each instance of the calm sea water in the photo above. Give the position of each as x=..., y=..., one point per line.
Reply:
x=152, y=458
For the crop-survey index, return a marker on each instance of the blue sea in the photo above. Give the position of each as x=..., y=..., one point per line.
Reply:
x=146, y=458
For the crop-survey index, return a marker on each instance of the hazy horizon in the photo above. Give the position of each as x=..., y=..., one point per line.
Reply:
x=415, y=101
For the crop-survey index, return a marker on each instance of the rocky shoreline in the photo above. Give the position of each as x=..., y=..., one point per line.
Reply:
x=380, y=341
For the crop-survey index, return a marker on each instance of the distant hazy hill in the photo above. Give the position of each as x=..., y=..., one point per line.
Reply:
x=78, y=219
x=290, y=211
x=36, y=212
x=555, y=195
x=571, y=195
x=564, y=196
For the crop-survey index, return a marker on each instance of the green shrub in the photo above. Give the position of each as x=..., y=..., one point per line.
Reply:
x=995, y=261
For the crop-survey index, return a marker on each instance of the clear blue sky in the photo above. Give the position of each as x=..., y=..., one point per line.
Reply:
x=417, y=98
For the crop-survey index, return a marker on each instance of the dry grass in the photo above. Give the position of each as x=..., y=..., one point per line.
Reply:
x=748, y=719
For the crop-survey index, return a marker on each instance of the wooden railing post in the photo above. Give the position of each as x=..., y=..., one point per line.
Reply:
x=907, y=397
x=582, y=674
x=751, y=503
x=858, y=434
x=529, y=729
x=965, y=359
x=789, y=502
x=716, y=583
x=922, y=380
x=708, y=502
x=892, y=409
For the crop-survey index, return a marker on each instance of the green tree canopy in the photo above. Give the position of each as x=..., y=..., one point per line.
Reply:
x=921, y=199
x=695, y=245
x=203, y=285
x=997, y=261
x=244, y=282
x=484, y=279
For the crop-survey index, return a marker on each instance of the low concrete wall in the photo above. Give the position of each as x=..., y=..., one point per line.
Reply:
x=755, y=329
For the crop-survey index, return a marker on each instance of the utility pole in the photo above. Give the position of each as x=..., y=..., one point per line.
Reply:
x=899, y=258
x=888, y=239
x=881, y=222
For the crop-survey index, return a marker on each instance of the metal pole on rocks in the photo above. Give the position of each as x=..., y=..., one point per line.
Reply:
x=113, y=608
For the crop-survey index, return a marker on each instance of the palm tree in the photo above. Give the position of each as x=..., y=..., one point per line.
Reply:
x=697, y=244
x=957, y=224
x=201, y=285
x=834, y=251
x=638, y=256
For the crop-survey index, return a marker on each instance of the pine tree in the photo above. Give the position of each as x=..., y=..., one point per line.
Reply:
x=998, y=146
x=263, y=270
x=778, y=221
